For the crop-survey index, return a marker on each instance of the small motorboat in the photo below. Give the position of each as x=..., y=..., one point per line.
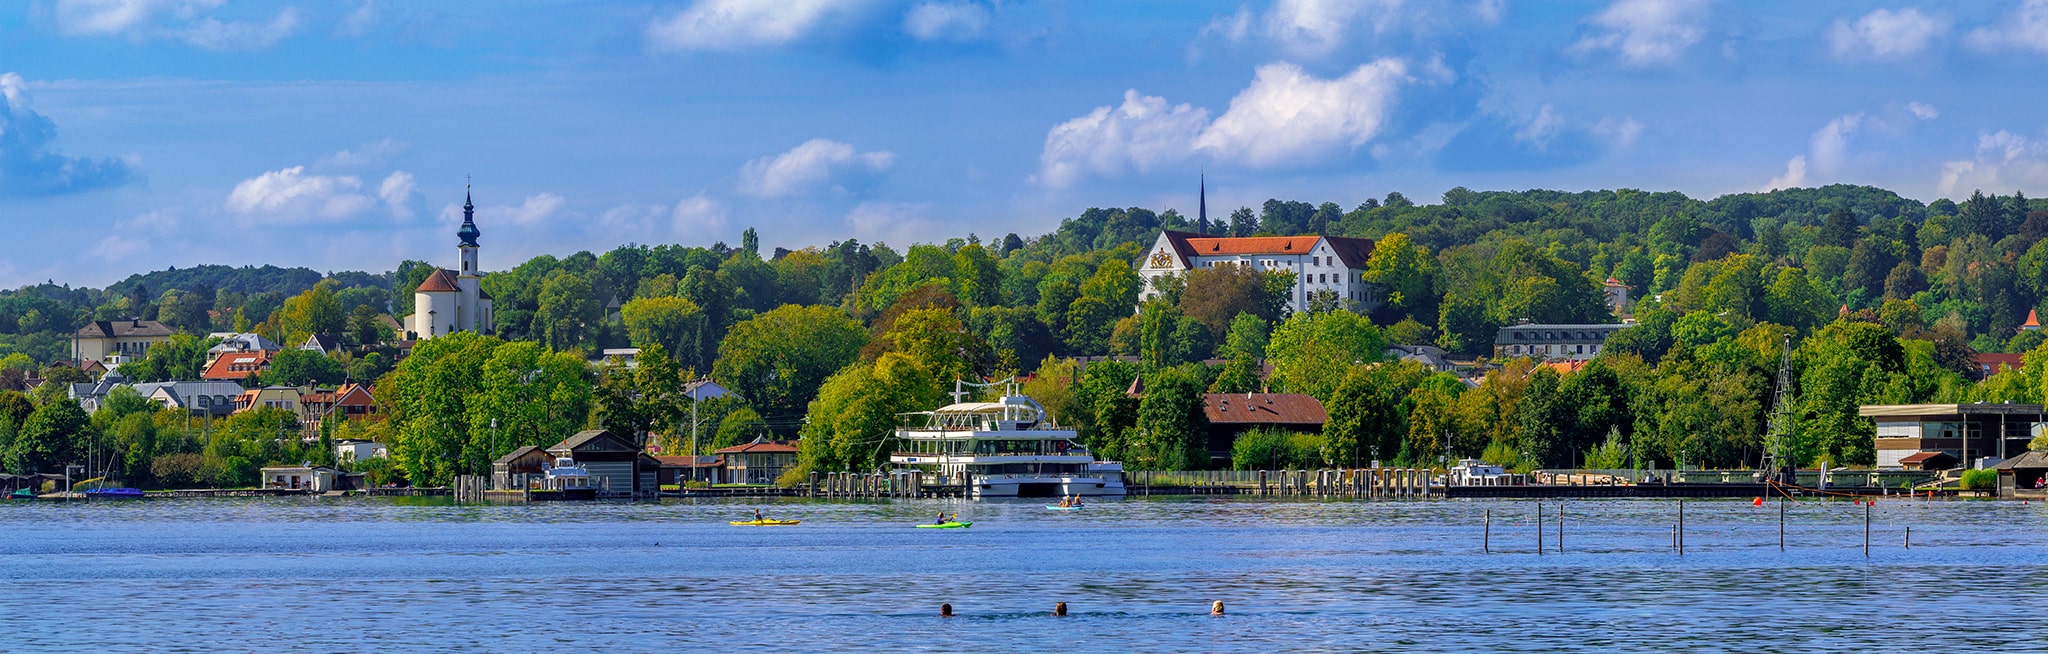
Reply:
x=764, y=522
x=22, y=494
x=1056, y=507
x=954, y=524
x=113, y=494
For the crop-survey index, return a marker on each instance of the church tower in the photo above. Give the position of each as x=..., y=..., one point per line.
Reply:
x=468, y=234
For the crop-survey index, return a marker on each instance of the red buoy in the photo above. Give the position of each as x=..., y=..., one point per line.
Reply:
x=1759, y=502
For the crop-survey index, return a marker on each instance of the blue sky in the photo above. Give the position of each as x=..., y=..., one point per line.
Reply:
x=337, y=134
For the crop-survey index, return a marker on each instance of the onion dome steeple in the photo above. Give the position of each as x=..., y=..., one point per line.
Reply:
x=468, y=232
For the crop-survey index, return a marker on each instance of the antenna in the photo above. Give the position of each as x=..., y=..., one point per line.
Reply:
x=1775, y=456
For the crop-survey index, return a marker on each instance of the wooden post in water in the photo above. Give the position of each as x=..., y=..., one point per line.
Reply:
x=1781, y=524
x=1909, y=537
x=1681, y=526
x=1486, y=535
x=814, y=483
x=1560, y=527
x=1262, y=483
x=1539, y=529
x=1866, y=530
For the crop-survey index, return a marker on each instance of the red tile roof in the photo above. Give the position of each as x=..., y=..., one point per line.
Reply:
x=760, y=448
x=1992, y=361
x=690, y=461
x=2033, y=319
x=1354, y=251
x=1923, y=457
x=441, y=281
x=1263, y=409
x=236, y=366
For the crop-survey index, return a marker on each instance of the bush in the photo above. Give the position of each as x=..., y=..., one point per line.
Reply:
x=1980, y=480
x=1274, y=449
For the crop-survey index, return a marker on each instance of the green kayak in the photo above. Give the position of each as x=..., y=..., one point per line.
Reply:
x=947, y=525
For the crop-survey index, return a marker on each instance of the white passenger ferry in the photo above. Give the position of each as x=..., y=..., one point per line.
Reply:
x=1005, y=448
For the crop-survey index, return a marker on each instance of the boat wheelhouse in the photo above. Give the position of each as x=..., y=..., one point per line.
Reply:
x=1005, y=448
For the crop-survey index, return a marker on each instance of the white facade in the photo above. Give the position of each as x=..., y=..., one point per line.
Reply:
x=1319, y=263
x=454, y=300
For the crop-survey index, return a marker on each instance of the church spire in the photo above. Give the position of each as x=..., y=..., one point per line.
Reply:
x=468, y=232
x=1203, y=222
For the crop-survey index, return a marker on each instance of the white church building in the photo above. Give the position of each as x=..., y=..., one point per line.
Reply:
x=454, y=300
x=1335, y=264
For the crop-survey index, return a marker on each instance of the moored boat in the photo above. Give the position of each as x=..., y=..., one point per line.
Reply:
x=1006, y=448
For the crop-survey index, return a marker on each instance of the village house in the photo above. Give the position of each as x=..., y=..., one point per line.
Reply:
x=1332, y=265
x=1966, y=433
x=272, y=397
x=1232, y=414
x=1430, y=356
x=1617, y=297
x=326, y=344
x=512, y=470
x=198, y=398
x=352, y=450
x=450, y=301
x=759, y=462
x=351, y=401
x=2024, y=476
x=114, y=342
x=238, y=342
x=678, y=470
x=1552, y=342
x=237, y=366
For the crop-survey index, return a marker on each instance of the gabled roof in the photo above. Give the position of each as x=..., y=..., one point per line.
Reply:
x=1992, y=361
x=520, y=453
x=223, y=368
x=1354, y=251
x=441, y=281
x=234, y=342
x=595, y=440
x=322, y=343
x=760, y=446
x=2029, y=460
x=130, y=328
x=1263, y=409
x=1924, y=457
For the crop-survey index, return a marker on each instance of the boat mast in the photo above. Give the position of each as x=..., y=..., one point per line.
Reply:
x=1776, y=460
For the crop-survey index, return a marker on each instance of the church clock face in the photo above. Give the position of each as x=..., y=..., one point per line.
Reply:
x=1161, y=260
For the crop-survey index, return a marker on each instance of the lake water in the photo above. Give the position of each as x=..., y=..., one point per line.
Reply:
x=372, y=574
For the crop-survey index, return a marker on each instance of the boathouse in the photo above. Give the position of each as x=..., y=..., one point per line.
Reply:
x=2023, y=476
x=1967, y=432
x=617, y=466
x=309, y=478
x=512, y=470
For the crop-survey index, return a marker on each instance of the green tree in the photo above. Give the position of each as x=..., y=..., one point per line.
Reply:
x=979, y=277
x=777, y=360
x=1172, y=431
x=673, y=323
x=296, y=367
x=51, y=437
x=1311, y=352
x=1404, y=271
x=1368, y=409
x=853, y=420
x=312, y=312
x=430, y=395
x=568, y=313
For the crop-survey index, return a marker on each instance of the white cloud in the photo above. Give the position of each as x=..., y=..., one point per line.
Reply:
x=1794, y=177
x=292, y=196
x=1885, y=35
x=1541, y=128
x=368, y=155
x=1645, y=33
x=1234, y=28
x=30, y=164
x=396, y=192
x=739, y=24
x=1923, y=111
x=946, y=21
x=1284, y=117
x=901, y=222
x=698, y=216
x=183, y=20
x=2004, y=161
x=132, y=235
x=1287, y=115
x=535, y=209
x=214, y=34
x=1831, y=142
x=1141, y=133
x=1620, y=133
x=359, y=21
x=1318, y=26
x=2026, y=29
x=1490, y=12
x=815, y=164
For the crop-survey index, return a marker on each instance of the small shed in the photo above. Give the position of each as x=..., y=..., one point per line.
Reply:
x=676, y=470
x=1928, y=461
x=312, y=479
x=508, y=471
x=2023, y=476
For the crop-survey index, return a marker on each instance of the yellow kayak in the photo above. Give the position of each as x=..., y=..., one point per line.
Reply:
x=763, y=523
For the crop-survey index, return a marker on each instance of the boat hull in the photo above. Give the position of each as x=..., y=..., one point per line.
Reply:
x=1048, y=486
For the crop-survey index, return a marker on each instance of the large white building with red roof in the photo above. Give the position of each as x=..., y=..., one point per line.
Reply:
x=454, y=300
x=1321, y=264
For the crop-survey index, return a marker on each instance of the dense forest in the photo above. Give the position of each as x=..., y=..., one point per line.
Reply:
x=1880, y=298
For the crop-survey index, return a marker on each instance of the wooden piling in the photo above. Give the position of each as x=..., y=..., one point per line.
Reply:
x=1539, y=529
x=1866, y=530
x=1560, y=527
x=1486, y=534
x=1681, y=527
x=1909, y=537
x=1781, y=524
